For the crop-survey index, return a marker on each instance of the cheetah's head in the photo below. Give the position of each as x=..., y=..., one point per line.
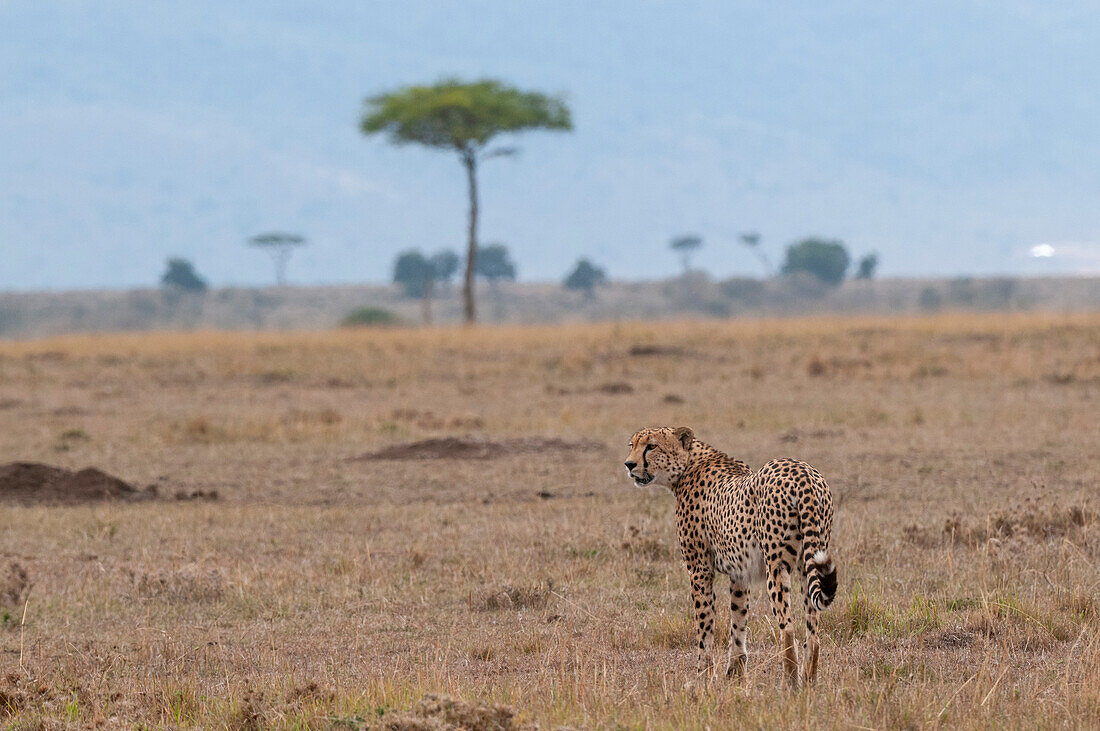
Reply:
x=659, y=455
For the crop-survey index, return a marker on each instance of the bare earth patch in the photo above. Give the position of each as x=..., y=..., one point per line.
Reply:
x=326, y=592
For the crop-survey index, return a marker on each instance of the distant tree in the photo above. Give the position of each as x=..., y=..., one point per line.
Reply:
x=416, y=275
x=826, y=259
x=585, y=277
x=962, y=291
x=685, y=246
x=743, y=290
x=280, y=246
x=930, y=299
x=445, y=264
x=181, y=275
x=867, y=266
x=494, y=263
x=751, y=241
x=998, y=292
x=463, y=118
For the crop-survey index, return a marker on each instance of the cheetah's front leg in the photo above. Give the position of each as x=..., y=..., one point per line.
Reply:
x=702, y=592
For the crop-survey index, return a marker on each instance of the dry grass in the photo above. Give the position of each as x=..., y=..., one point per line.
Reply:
x=537, y=586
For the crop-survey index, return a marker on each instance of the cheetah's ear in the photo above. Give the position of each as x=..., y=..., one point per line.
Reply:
x=685, y=435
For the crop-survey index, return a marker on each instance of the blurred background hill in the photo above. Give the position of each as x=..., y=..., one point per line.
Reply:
x=30, y=314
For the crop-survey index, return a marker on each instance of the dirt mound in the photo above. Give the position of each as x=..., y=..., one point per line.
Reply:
x=14, y=585
x=441, y=712
x=476, y=448
x=31, y=483
x=641, y=351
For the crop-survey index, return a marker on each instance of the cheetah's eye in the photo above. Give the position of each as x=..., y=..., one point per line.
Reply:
x=649, y=447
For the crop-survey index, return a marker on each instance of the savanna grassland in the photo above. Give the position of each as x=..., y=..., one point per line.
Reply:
x=334, y=584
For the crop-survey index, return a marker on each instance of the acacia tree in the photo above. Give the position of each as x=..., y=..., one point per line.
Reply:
x=685, y=246
x=280, y=245
x=464, y=118
x=751, y=241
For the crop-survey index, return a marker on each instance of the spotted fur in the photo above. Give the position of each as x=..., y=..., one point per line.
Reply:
x=751, y=526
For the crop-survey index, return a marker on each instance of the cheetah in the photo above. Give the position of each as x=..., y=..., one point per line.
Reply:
x=750, y=526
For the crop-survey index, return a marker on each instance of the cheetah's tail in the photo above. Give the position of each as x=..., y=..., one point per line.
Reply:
x=821, y=571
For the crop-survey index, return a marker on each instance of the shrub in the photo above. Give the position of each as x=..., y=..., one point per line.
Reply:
x=585, y=277
x=369, y=317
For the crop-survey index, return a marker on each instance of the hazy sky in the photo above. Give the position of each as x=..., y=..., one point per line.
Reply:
x=952, y=137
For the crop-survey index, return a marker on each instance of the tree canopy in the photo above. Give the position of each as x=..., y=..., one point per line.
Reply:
x=585, y=277
x=445, y=264
x=494, y=262
x=181, y=274
x=277, y=239
x=825, y=259
x=687, y=242
x=414, y=273
x=751, y=241
x=685, y=245
x=462, y=116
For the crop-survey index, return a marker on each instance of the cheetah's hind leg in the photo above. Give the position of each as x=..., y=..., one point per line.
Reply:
x=810, y=644
x=739, y=608
x=779, y=589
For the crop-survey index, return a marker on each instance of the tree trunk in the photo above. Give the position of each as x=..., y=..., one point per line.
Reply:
x=470, y=162
x=426, y=301
x=281, y=254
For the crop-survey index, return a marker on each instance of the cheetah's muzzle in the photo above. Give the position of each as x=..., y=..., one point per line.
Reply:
x=643, y=480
